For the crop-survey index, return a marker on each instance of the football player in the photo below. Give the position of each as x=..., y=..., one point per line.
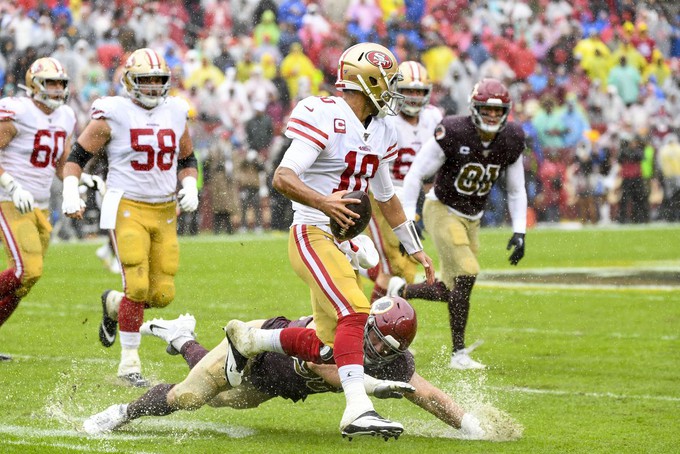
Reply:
x=390, y=328
x=467, y=155
x=339, y=143
x=147, y=142
x=415, y=124
x=35, y=135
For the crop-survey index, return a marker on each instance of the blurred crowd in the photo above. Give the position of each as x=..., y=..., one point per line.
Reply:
x=595, y=84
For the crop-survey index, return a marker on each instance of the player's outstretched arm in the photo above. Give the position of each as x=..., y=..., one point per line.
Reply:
x=434, y=400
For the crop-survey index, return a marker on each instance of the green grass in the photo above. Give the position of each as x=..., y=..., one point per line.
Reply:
x=580, y=369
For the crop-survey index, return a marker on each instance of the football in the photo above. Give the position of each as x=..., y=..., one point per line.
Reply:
x=363, y=208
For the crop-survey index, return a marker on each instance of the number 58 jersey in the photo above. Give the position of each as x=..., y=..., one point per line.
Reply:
x=144, y=146
x=349, y=154
x=34, y=152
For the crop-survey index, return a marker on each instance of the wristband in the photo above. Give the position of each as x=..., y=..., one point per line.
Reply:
x=408, y=237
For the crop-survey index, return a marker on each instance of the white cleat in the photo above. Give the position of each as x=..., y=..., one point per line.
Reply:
x=240, y=347
x=461, y=360
x=181, y=328
x=106, y=421
x=395, y=286
x=242, y=339
x=371, y=423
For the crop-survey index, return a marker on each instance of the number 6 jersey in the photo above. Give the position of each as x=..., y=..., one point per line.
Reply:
x=348, y=153
x=32, y=155
x=144, y=146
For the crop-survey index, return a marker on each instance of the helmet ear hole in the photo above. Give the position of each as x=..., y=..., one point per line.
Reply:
x=373, y=81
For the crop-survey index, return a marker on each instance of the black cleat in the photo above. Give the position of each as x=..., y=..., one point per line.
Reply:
x=108, y=327
x=234, y=364
x=5, y=357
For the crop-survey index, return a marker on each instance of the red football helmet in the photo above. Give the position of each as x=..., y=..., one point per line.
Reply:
x=492, y=93
x=390, y=329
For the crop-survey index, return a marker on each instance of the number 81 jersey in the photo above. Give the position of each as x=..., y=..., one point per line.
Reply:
x=348, y=153
x=471, y=168
x=33, y=154
x=144, y=146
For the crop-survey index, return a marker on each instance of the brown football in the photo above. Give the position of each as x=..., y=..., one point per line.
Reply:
x=363, y=208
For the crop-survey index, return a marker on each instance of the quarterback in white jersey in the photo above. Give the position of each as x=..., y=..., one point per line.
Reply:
x=146, y=139
x=35, y=134
x=415, y=124
x=339, y=145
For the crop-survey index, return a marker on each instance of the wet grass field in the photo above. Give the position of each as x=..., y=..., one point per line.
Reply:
x=576, y=362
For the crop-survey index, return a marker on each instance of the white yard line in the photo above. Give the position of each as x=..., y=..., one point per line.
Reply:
x=584, y=287
x=557, y=392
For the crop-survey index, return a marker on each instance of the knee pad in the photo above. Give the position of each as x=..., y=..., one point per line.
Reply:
x=162, y=294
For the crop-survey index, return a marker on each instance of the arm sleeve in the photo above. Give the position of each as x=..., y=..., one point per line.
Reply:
x=517, y=196
x=381, y=183
x=299, y=156
x=430, y=159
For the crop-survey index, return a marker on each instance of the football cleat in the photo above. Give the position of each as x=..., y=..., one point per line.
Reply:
x=5, y=357
x=135, y=379
x=395, y=287
x=240, y=346
x=461, y=360
x=371, y=423
x=170, y=330
x=106, y=421
x=108, y=327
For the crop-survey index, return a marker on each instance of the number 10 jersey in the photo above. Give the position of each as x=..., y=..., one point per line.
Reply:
x=349, y=154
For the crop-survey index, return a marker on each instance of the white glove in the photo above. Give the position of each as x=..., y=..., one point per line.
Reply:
x=361, y=252
x=471, y=428
x=386, y=389
x=188, y=195
x=93, y=182
x=21, y=198
x=72, y=202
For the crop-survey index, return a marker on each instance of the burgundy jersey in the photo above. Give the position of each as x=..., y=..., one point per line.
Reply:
x=465, y=179
x=284, y=376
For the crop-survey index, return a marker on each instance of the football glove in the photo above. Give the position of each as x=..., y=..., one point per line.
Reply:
x=188, y=195
x=21, y=198
x=361, y=252
x=93, y=182
x=72, y=203
x=517, y=241
x=386, y=389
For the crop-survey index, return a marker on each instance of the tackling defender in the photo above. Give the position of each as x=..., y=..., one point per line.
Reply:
x=146, y=138
x=35, y=137
x=390, y=329
x=414, y=124
x=338, y=145
x=467, y=154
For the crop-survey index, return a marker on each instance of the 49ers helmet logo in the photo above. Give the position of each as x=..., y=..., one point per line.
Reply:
x=377, y=58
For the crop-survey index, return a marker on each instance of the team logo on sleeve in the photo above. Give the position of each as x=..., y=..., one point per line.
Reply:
x=439, y=132
x=340, y=126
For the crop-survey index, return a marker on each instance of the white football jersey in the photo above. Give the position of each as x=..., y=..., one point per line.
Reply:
x=349, y=153
x=144, y=146
x=411, y=139
x=32, y=155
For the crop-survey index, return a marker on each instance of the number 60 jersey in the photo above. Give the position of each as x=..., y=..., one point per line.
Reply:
x=144, y=146
x=32, y=155
x=348, y=153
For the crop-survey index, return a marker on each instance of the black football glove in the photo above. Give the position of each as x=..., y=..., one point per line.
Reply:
x=517, y=241
x=419, y=231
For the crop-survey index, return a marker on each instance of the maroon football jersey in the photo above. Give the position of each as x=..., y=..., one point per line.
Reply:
x=470, y=170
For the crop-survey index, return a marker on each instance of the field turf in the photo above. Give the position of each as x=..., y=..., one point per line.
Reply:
x=582, y=366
